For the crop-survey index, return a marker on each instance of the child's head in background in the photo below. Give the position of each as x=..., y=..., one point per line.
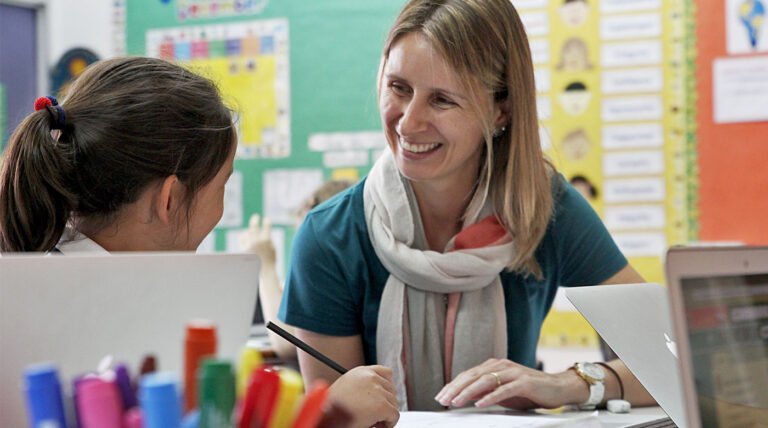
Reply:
x=137, y=144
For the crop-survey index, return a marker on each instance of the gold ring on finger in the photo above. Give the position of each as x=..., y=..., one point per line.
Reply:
x=498, y=379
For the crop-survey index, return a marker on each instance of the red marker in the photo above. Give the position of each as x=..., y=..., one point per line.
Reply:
x=260, y=398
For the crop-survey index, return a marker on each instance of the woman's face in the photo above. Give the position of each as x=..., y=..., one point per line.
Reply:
x=434, y=136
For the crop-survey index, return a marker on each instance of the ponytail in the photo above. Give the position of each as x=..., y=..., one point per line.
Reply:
x=35, y=197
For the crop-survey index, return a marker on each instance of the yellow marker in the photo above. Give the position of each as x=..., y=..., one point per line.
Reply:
x=288, y=399
x=250, y=360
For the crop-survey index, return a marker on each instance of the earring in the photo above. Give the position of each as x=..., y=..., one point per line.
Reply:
x=499, y=132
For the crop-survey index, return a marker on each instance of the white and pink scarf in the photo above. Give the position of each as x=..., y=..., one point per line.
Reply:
x=440, y=313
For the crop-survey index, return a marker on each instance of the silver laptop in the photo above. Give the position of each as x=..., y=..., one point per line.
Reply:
x=719, y=299
x=74, y=310
x=634, y=321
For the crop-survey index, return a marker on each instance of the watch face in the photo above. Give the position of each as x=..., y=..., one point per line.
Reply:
x=593, y=370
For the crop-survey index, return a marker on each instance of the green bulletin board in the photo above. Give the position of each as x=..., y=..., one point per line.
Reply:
x=313, y=65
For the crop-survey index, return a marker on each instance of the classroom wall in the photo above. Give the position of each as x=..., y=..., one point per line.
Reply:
x=80, y=23
x=732, y=157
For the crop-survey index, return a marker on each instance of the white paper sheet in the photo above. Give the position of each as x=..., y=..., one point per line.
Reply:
x=624, y=27
x=345, y=158
x=490, y=420
x=539, y=50
x=329, y=141
x=630, y=54
x=740, y=92
x=285, y=190
x=643, y=135
x=646, y=244
x=630, y=217
x=632, y=81
x=613, y=6
x=543, y=80
x=617, y=164
x=624, y=109
x=529, y=4
x=535, y=23
x=634, y=190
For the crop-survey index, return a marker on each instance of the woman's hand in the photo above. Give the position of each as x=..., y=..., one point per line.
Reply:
x=514, y=386
x=257, y=239
x=369, y=394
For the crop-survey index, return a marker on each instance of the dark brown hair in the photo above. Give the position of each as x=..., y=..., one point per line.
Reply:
x=129, y=123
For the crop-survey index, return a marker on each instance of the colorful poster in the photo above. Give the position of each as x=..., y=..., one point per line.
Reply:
x=250, y=63
x=611, y=97
x=207, y=9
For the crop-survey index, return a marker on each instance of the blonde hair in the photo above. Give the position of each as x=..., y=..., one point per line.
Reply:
x=485, y=44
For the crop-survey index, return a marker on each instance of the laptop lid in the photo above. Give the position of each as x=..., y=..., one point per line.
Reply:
x=634, y=321
x=719, y=299
x=74, y=310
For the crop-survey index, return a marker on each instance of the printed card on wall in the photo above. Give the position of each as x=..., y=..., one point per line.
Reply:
x=285, y=191
x=243, y=58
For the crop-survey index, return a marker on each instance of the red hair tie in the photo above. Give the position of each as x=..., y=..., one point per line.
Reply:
x=44, y=102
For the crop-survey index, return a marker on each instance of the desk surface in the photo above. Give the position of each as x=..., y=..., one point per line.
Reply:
x=607, y=419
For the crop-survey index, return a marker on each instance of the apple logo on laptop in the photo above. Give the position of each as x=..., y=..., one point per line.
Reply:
x=671, y=345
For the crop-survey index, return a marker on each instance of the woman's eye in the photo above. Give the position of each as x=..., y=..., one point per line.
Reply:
x=399, y=88
x=444, y=102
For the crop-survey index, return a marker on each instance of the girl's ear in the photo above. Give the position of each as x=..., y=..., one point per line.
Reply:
x=167, y=199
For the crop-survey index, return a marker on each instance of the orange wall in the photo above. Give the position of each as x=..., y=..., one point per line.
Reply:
x=733, y=158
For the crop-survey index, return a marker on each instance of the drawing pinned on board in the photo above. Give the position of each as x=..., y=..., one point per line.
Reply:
x=574, y=12
x=574, y=56
x=584, y=186
x=576, y=145
x=575, y=99
x=752, y=15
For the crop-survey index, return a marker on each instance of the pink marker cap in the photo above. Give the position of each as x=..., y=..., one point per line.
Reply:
x=99, y=405
x=133, y=418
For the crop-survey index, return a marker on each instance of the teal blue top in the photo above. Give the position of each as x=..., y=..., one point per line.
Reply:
x=335, y=280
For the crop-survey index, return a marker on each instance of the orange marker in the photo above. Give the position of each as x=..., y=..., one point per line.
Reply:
x=200, y=342
x=312, y=408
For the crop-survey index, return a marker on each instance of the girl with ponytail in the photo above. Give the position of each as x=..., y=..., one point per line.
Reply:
x=135, y=158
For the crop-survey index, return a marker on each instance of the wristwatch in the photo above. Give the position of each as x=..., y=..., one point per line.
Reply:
x=594, y=375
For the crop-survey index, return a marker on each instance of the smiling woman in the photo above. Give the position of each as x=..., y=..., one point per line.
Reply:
x=441, y=265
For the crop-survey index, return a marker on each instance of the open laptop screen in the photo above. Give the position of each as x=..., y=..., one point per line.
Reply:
x=727, y=319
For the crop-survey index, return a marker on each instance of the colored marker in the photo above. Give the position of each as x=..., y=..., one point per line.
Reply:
x=200, y=342
x=250, y=359
x=43, y=393
x=123, y=382
x=260, y=398
x=159, y=400
x=99, y=404
x=306, y=348
x=217, y=393
x=288, y=397
x=312, y=408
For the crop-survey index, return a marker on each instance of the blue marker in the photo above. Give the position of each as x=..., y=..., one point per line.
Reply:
x=43, y=393
x=159, y=401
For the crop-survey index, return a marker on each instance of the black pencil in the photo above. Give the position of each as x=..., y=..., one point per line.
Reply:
x=306, y=348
